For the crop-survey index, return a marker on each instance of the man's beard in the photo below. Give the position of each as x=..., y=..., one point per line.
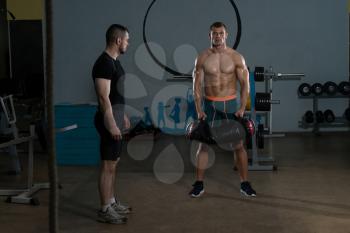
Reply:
x=217, y=43
x=121, y=51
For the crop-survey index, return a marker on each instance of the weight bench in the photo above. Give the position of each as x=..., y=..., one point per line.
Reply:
x=24, y=196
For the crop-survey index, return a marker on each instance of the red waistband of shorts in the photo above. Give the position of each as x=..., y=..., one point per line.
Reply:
x=221, y=98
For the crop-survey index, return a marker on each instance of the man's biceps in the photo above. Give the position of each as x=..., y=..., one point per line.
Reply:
x=199, y=73
x=102, y=81
x=102, y=93
x=240, y=72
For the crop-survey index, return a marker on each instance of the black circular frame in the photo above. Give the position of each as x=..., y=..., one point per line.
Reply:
x=174, y=72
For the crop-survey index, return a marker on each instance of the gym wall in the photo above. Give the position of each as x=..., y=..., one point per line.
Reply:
x=26, y=9
x=3, y=42
x=26, y=40
x=292, y=36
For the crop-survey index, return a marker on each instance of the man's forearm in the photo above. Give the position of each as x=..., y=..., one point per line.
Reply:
x=197, y=95
x=244, y=97
x=198, y=103
x=244, y=89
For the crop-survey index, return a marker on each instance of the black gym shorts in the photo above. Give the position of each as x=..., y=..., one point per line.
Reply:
x=110, y=149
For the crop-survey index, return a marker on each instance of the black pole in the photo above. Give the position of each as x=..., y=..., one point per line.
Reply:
x=53, y=204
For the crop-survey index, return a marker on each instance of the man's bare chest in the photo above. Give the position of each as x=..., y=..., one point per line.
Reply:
x=217, y=64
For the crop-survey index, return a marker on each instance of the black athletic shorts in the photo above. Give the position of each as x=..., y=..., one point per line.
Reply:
x=110, y=149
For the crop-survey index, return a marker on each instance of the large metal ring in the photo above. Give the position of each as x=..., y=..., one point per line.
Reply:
x=174, y=72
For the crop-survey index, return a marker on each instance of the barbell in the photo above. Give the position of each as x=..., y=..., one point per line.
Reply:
x=260, y=75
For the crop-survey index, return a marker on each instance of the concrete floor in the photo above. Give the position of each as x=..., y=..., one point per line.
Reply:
x=309, y=193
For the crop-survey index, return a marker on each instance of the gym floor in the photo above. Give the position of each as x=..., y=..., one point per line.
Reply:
x=308, y=193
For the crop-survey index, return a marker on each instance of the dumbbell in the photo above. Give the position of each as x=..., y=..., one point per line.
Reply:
x=263, y=101
x=329, y=116
x=317, y=89
x=344, y=88
x=259, y=73
x=347, y=114
x=330, y=88
x=319, y=116
x=260, y=136
x=304, y=89
x=309, y=117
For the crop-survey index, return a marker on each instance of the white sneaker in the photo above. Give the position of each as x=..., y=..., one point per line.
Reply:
x=121, y=208
x=111, y=216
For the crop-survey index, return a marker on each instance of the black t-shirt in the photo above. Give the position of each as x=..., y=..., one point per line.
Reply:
x=107, y=68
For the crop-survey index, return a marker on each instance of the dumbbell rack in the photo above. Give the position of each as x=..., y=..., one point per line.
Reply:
x=269, y=77
x=338, y=121
x=258, y=160
x=258, y=163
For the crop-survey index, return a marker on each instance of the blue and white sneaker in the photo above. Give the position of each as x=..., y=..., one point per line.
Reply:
x=198, y=189
x=247, y=190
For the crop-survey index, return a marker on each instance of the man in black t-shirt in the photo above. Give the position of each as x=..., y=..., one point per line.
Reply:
x=110, y=120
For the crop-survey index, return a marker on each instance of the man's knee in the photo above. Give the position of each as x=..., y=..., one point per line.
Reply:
x=109, y=165
x=239, y=148
x=203, y=147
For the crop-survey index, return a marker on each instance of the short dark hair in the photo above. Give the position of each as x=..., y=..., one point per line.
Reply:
x=114, y=31
x=218, y=25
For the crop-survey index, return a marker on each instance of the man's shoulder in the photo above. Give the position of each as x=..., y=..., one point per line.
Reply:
x=103, y=67
x=236, y=56
x=104, y=58
x=104, y=62
x=233, y=52
x=204, y=54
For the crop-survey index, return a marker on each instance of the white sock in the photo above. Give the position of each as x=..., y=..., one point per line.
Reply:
x=105, y=207
x=112, y=200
